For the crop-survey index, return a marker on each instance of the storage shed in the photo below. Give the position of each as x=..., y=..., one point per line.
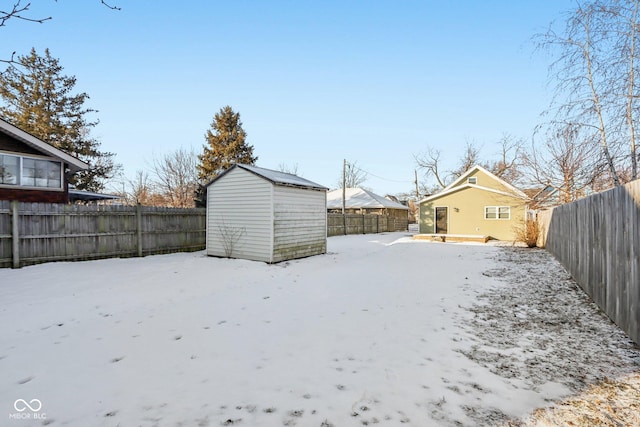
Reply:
x=265, y=215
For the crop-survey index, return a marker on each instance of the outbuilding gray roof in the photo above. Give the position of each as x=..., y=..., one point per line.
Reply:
x=276, y=177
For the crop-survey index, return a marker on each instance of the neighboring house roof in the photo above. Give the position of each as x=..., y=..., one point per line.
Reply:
x=357, y=198
x=74, y=164
x=544, y=198
x=532, y=193
x=458, y=185
x=89, y=196
x=275, y=177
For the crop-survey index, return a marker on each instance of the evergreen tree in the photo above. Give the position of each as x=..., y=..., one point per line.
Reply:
x=38, y=98
x=226, y=145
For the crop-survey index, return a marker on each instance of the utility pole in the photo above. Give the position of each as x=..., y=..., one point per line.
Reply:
x=344, y=183
x=344, y=195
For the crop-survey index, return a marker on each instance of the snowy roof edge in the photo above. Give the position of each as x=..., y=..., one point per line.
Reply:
x=375, y=200
x=275, y=177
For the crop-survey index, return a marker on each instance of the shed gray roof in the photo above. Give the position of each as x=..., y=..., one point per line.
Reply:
x=357, y=198
x=276, y=177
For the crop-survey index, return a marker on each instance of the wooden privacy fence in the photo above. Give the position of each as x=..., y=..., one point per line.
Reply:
x=597, y=239
x=32, y=233
x=339, y=224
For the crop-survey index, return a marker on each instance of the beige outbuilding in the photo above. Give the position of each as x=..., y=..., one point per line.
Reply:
x=476, y=206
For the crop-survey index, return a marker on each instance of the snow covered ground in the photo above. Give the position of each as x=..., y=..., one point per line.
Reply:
x=381, y=330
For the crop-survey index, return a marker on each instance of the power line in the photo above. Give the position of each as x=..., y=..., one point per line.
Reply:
x=379, y=177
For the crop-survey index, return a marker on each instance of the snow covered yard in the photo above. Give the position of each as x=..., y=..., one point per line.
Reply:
x=381, y=330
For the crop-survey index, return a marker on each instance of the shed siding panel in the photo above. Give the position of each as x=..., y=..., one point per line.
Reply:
x=239, y=220
x=300, y=223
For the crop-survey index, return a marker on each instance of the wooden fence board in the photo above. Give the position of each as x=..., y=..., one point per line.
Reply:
x=597, y=239
x=362, y=224
x=57, y=232
x=5, y=233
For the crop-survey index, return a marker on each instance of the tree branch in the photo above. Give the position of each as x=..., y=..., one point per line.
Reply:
x=110, y=6
x=430, y=163
x=16, y=12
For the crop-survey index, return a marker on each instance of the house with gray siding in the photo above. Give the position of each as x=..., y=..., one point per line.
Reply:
x=265, y=215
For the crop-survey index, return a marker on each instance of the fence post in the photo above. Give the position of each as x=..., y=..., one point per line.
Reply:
x=15, y=235
x=344, y=223
x=139, y=227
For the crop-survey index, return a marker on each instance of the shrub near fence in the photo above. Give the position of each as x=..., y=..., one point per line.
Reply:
x=363, y=224
x=57, y=232
x=597, y=239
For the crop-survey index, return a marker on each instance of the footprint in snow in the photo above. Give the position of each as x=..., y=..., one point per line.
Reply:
x=25, y=380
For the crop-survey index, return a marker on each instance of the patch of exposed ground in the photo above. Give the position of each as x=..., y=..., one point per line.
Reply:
x=541, y=328
x=610, y=403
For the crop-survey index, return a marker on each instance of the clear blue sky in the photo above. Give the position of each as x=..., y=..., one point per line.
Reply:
x=373, y=82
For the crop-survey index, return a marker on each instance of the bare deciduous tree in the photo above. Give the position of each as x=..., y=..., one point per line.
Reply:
x=429, y=162
x=141, y=189
x=595, y=78
x=176, y=177
x=568, y=160
x=293, y=170
x=469, y=159
x=138, y=189
x=352, y=176
x=508, y=167
x=626, y=14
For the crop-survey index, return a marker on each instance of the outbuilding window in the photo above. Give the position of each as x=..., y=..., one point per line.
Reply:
x=497, y=212
x=26, y=171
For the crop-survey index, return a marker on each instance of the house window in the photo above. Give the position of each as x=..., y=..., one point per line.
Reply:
x=30, y=172
x=497, y=212
x=9, y=169
x=472, y=180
